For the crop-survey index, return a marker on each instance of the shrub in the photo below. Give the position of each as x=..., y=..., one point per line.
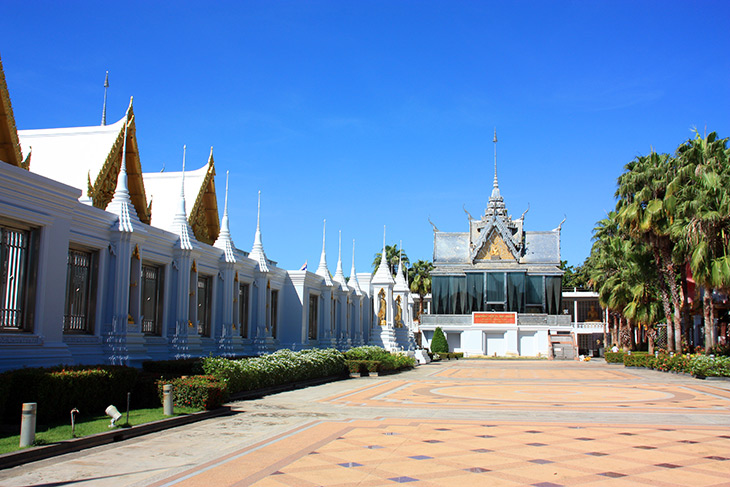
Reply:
x=58, y=390
x=639, y=359
x=280, y=367
x=197, y=391
x=364, y=366
x=672, y=363
x=706, y=366
x=438, y=342
x=614, y=357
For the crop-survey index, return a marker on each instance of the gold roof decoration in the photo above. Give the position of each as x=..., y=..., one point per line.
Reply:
x=102, y=190
x=203, y=217
x=9, y=143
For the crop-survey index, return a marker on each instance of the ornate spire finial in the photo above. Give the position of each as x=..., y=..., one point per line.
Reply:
x=121, y=203
x=322, y=269
x=224, y=241
x=353, y=283
x=339, y=273
x=495, y=158
x=258, y=214
x=180, y=221
x=257, y=252
x=383, y=272
x=106, y=87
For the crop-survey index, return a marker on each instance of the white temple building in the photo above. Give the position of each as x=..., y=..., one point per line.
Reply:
x=103, y=263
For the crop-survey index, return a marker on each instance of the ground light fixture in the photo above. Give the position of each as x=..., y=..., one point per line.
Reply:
x=113, y=413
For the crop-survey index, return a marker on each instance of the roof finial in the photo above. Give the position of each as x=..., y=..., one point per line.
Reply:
x=257, y=252
x=122, y=187
x=353, y=284
x=322, y=269
x=383, y=271
x=258, y=214
x=224, y=240
x=180, y=220
x=339, y=272
x=495, y=158
x=106, y=86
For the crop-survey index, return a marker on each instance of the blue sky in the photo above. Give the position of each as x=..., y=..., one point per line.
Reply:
x=372, y=113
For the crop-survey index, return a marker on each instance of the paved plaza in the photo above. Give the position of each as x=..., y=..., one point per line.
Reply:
x=467, y=422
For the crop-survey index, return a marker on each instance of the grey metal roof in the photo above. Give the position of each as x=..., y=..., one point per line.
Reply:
x=542, y=248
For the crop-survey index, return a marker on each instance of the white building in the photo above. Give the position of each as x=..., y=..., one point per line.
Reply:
x=102, y=263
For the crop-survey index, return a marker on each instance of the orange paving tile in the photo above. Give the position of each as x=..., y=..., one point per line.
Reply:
x=376, y=452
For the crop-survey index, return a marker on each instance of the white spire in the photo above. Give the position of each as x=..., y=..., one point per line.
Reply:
x=322, y=270
x=496, y=205
x=224, y=240
x=400, y=280
x=121, y=203
x=353, y=283
x=339, y=274
x=257, y=252
x=383, y=272
x=180, y=220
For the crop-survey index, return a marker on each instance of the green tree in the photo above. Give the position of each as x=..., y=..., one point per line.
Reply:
x=438, y=342
x=646, y=215
x=699, y=194
x=574, y=277
x=419, y=276
x=392, y=255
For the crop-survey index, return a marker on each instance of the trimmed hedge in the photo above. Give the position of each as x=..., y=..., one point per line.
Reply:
x=450, y=355
x=280, y=367
x=639, y=359
x=58, y=390
x=364, y=366
x=388, y=361
x=614, y=357
x=198, y=391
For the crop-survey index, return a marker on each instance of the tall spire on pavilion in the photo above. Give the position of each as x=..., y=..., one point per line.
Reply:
x=383, y=272
x=496, y=204
x=121, y=203
x=400, y=280
x=224, y=240
x=322, y=270
x=339, y=273
x=180, y=221
x=353, y=282
x=106, y=87
x=257, y=252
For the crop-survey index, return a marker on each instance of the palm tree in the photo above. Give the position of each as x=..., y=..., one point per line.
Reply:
x=647, y=216
x=419, y=276
x=392, y=255
x=700, y=193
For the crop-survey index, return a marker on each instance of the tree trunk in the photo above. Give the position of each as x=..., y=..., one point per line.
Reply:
x=666, y=302
x=650, y=339
x=707, y=317
x=624, y=334
x=675, y=291
x=615, y=330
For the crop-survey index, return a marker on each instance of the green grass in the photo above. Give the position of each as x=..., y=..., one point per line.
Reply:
x=45, y=435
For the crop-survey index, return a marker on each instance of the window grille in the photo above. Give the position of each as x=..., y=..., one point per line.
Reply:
x=243, y=292
x=17, y=281
x=78, y=315
x=274, y=312
x=313, y=318
x=204, y=306
x=152, y=299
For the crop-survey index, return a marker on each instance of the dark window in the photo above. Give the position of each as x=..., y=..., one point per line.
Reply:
x=313, y=318
x=152, y=299
x=78, y=316
x=274, y=312
x=243, y=292
x=204, y=306
x=18, y=251
x=535, y=294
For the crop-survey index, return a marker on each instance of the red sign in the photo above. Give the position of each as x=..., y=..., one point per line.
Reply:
x=493, y=318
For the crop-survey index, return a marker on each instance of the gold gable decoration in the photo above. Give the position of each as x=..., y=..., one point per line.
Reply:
x=102, y=190
x=9, y=143
x=495, y=249
x=204, y=218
